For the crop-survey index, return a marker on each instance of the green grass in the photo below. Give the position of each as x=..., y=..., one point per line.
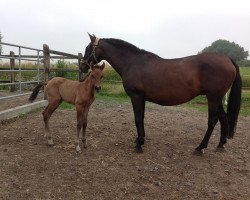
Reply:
x=111, y=75
x=245, y=103
x=245, y=74
x=65, y=105
x=112, y=89
x=200, y=103
x=245, y=71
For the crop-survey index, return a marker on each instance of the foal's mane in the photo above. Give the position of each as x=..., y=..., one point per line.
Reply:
x=126, y=45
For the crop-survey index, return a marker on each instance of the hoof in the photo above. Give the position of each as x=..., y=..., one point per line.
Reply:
x=198, y=152
x=140, y=142
x=220, y=149
x=78, y=149
x=50, y=142
x=84, y=144
x=138, y=150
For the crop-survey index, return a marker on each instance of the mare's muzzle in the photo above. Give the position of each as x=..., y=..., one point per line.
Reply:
x=84, y=66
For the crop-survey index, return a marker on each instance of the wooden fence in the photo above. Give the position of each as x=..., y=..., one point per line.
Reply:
x=45, y=58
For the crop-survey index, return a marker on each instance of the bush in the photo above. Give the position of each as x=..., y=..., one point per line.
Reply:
x=61, y=67
x=112, y=84
x=111, y=75
x=244, y=63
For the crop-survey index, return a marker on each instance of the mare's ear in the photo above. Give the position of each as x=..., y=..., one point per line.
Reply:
x=92, y=38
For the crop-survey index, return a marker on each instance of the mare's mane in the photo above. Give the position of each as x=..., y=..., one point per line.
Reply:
x=126, y=45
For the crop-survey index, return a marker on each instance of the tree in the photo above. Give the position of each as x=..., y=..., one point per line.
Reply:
x=1, y=50
x=231, y=49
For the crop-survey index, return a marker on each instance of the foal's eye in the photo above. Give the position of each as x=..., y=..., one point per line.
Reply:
x=93, y=76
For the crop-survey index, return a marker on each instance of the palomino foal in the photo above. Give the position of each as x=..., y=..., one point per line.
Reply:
x=80, y=94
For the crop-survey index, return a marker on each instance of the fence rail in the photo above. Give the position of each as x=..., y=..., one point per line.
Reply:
x=34, y=56
x=19, y=46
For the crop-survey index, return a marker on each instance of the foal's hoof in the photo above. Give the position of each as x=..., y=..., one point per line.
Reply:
x=84, y=144
x=198, y=152
x=78, y=149
x=50, y=142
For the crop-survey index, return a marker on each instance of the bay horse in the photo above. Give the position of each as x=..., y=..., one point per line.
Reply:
x=80, y=94
x=148, y=77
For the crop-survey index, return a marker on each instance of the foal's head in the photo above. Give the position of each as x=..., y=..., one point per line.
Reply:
x=96, y=75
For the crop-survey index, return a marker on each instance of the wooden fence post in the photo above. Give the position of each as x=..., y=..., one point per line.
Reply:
x=80, y=75
x=46, y=63
x=12, y=73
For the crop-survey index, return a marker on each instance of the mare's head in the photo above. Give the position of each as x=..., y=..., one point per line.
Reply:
x=91, y=56
x=96, y=75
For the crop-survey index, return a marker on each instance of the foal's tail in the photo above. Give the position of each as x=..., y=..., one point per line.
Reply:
x=234, y=102
x=35, y=92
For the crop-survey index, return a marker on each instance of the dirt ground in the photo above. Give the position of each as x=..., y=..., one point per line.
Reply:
x=16, y=101
x=110, y=169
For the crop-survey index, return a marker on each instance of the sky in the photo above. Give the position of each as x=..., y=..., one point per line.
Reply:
x=168, y=28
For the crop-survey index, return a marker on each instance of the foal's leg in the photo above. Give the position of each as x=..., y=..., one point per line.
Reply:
x=84, y=125
x=138, y=103
x=79, y=112
x=212, y=121
x=224, y=127
x=51, y=107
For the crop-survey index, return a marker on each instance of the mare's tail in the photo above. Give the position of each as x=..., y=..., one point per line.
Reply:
x=35, y=92
x=234, y=102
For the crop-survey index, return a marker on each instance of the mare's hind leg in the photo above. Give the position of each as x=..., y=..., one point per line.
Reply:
x=212, y=121
x=224, y=126
x=51, y=107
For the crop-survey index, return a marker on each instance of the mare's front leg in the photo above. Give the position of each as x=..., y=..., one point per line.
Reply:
x=138, y=103
x=212, y=121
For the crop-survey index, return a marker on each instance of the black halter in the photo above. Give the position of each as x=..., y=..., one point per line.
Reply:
x=91, y=55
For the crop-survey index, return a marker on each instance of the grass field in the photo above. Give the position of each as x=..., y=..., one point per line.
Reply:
x=245, y=71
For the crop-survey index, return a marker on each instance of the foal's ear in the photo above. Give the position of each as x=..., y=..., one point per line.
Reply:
x=92, y=38
x=91, y=65
x=102, y=66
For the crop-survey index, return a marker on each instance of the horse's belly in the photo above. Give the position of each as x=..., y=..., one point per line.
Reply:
x=171, y=99
x=69, y=98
